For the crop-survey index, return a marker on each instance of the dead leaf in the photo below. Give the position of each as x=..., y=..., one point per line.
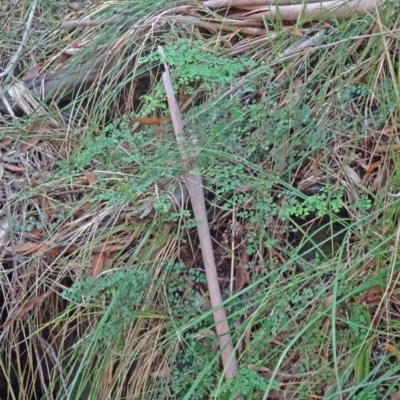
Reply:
x=372, y=296
x=48, y=249
x=35, y=232
x=371, y=169
x=51, y=249
x=391, y=349
x=112, y=255
x=315, y=166
x=22, y=247
x=352, y=174
x=396, y=396
x=242, y=275
x=33, y=250
x=90, y=176
x=32, y=141
x=381, y=176
x=387, y=129
x=33, y=127
x=28, y=306
x=72, y=49
x=6, y=142
x=296, y=31
x=278, y=395
x=97, y=264
x=284, y=101
x=13, y=168
x=33, y=73
x=45, y=207
x=64, y=57
x=149, y=120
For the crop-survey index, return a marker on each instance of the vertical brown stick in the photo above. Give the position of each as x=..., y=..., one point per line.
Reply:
x=195, y=186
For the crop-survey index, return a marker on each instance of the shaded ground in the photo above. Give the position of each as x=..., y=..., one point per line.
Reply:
x=103, y=289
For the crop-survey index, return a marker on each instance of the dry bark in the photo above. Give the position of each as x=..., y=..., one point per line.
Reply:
x=318, y=11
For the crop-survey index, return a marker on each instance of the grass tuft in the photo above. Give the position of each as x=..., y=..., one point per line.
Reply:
x=103, y=290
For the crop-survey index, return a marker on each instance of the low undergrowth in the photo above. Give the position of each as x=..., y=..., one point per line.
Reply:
x=103, y=285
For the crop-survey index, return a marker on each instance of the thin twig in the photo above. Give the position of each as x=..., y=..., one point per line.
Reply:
x=303, y=51
x=39, y=368
x=49, y=351
x=11, y=65
x=279, y=376
x=195, y=186
x=301, y=45
x=78, y=23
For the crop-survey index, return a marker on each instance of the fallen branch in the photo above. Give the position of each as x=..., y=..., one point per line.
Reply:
x=250, y=3
x=195, y=186
x=320, y=10
x=14, y=59
x=223, y=23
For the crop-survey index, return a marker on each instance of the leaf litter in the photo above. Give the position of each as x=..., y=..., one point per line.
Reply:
x=79, y=225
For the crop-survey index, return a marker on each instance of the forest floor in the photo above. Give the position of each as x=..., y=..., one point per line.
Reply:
x=293, y=126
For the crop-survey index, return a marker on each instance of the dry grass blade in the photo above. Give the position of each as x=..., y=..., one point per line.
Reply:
x=103, y=290
x=62, y=85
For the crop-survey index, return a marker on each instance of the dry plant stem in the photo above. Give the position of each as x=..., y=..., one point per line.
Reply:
x=11, y=65
x=239, y=3
x=85, y=23
x=216, y=25
x=281, y=377
x=221, y=27
x=195, y=185
x=303, y=51
x=328, y=9
x=247, y=46
x=72, y=24
x=180, y=19
x=39, y=368
x=225, y=21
